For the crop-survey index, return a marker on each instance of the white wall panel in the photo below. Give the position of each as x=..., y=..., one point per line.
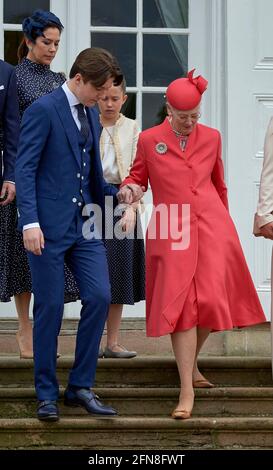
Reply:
x=249, y=98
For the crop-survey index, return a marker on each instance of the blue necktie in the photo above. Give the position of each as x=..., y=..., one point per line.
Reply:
x=85, y=129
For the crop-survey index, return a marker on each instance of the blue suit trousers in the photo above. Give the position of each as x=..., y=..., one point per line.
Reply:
x=87, y=261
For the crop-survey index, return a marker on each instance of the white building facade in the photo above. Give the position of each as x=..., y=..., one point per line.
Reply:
x=229, y=42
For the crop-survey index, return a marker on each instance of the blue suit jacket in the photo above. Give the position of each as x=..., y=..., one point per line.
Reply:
x=48, y=162
x=9, y=116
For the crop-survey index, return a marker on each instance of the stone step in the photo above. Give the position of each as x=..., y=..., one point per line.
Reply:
x=254, y=341
x=149, y=402
x=138, y=433
x=148, y=371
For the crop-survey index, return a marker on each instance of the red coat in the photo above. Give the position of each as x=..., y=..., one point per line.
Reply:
x=208, y=284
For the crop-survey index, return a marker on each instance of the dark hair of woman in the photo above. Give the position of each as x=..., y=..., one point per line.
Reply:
x=34, y=26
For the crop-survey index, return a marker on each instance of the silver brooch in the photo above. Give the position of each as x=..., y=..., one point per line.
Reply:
x=161, y=148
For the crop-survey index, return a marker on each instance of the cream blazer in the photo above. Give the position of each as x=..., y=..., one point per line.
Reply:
x=264, y=213
x=125, y=137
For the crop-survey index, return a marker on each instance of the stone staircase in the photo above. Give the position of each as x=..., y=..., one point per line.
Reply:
x=237, y=414
x=254, y=341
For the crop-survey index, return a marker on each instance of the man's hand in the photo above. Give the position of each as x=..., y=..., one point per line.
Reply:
x=267, y=230
x=130, y=193
x=8, y=190
x=34, y=240
x=128, y=219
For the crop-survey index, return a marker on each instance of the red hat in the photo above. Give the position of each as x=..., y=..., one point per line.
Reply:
x=185, y=93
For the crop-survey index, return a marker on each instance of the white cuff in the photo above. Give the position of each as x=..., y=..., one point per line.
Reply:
x=34, y=225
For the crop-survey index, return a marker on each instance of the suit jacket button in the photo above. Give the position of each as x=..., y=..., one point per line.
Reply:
x=74, y=199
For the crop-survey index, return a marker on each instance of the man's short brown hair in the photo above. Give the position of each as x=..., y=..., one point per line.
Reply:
x=96, y=66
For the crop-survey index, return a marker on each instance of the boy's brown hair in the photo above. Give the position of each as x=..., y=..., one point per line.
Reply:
x=96, y=66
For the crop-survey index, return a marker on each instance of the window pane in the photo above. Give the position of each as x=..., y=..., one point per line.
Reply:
x=12, y=40
x=129, y=107
x=165, y=14
x=123, y=47
x=153, y=109
x=15, y=12
x=113, y=13
x=159, y=50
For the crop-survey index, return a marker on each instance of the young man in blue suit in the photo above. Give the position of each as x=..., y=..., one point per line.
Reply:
x=58, y=173
x=10, y=124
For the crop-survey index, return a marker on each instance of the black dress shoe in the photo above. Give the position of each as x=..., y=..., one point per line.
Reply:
x=47, y=410
x=88, y=400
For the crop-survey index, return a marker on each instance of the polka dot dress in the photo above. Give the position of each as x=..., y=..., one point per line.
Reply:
x=126, y=262
x=33, y=81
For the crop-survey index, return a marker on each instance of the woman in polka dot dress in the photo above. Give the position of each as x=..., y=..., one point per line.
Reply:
x=34, y=78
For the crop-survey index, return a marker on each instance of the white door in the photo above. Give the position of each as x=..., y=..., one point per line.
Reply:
x=250, y=105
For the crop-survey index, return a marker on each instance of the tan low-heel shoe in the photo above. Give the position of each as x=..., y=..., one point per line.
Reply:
x=24, y=353
x=181, y=414
x=202, y=383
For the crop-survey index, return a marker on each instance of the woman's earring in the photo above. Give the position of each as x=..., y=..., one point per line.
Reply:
x=30, y=48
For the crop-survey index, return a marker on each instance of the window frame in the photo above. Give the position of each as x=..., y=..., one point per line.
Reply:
x=76, y=14
x=59, y=7
x=139, y=30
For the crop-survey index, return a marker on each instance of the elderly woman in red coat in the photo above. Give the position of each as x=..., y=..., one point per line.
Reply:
x=200, y=283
